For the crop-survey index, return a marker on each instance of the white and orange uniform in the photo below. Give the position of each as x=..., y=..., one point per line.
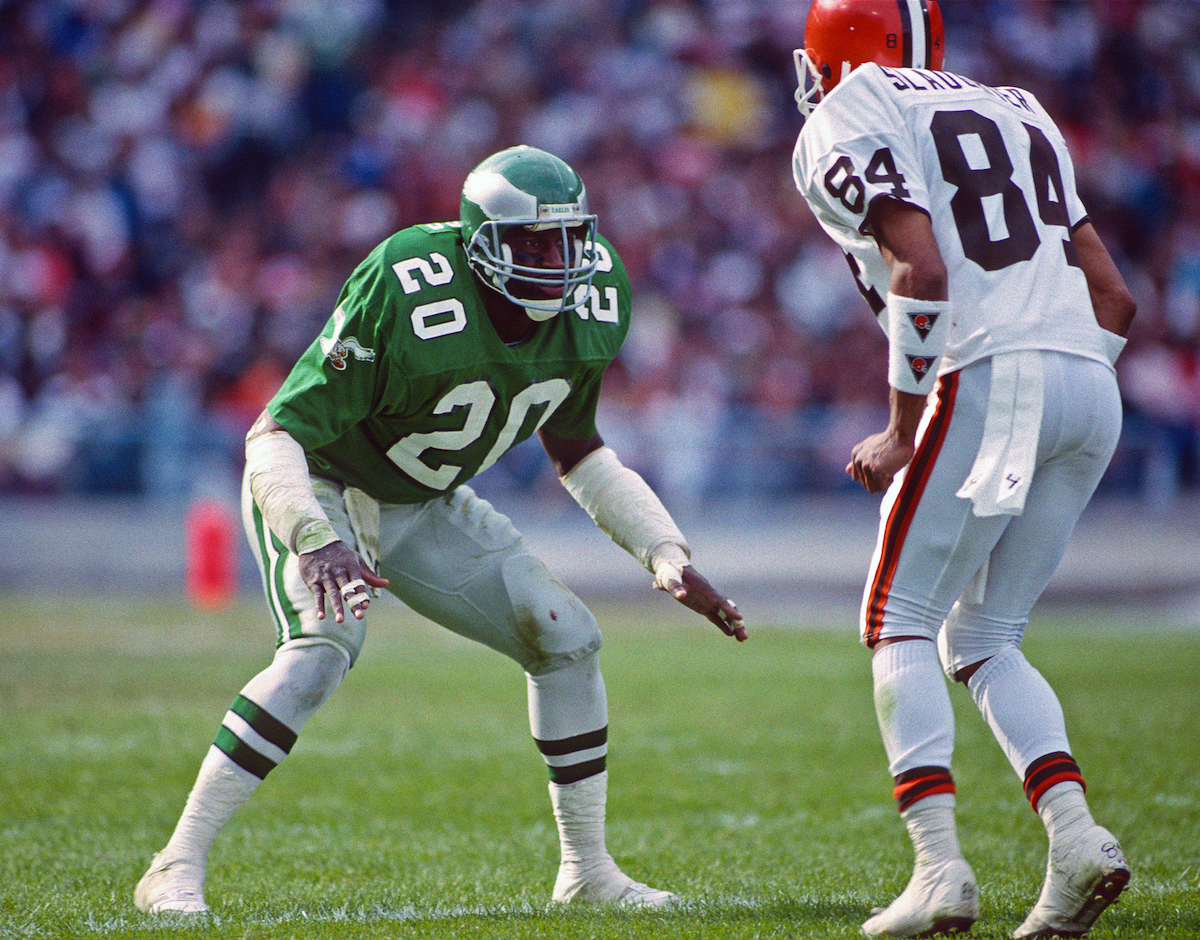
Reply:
x=1026, y=412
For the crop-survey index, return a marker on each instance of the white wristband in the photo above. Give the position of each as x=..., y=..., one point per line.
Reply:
x=278, y=475
x=626, y=509
x=917, y=333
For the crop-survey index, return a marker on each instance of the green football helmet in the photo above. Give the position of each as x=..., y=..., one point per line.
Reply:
x=529, y=187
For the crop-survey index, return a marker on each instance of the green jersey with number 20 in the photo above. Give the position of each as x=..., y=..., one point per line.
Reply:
x=409, y=392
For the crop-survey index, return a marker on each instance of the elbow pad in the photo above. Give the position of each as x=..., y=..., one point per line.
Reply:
x=625, y=508
x=278, y=474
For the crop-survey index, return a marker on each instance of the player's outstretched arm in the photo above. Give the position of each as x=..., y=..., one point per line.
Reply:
x=624, y=507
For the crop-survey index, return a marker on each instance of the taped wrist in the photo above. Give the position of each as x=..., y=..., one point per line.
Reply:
x=625, y=508
x=279, y=482
x=917, y=333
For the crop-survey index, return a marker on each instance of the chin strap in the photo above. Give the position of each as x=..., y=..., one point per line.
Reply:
x=538, y=315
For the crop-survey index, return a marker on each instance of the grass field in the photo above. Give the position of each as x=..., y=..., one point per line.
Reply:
x=749, y=779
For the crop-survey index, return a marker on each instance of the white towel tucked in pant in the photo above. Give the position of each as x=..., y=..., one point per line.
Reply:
x=1001, y=474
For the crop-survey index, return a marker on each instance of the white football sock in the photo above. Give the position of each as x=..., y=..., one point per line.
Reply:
x=221, y=788
x=1020, y=707
x=299, y=680
x=568, y=716
x=579, y=810
x=931, y=826
x=912, y=704
x=290, y=690
x=1064, y=811
x=568, y=702
x=565, y=704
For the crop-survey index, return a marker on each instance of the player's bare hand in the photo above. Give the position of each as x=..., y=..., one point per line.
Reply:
x=692, y=589
x=876, y=460
x=339, y=578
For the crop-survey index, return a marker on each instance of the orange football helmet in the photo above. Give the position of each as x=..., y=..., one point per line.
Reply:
x=840, y=35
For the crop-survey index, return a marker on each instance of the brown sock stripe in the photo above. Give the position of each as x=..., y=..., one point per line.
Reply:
x=920, y=782
x=1048, y=771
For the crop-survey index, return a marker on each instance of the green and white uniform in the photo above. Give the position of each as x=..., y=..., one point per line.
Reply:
x=409, y=392
x=406, y=395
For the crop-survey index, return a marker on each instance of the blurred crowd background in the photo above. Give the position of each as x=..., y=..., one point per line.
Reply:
x=186, y=184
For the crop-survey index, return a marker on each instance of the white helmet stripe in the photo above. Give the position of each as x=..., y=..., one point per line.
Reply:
x=499, y=199
x=914, y=15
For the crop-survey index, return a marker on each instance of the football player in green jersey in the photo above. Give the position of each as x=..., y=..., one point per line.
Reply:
x=450, y=344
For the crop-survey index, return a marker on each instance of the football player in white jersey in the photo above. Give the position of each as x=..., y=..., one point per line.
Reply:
x=956, y=207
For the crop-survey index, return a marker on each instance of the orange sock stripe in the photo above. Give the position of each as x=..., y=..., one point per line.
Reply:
x=1049, y=771
x=1036, y=795
x=914, y=785
x=900, y=518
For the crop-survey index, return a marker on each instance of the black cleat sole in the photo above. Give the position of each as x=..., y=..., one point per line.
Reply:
x=1105, y=892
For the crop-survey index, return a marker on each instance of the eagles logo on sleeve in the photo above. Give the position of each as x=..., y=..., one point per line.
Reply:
x=338, y=350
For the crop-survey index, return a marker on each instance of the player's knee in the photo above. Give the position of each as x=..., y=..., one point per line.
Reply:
x=904, y=616
x=552, y=625
x=313, y=668
x=349, y=636
x=968, y=641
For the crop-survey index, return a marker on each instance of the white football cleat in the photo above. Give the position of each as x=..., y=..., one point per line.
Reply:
x=171, y=886
x=1083, y=877
x=939, y=899
x=602, y=882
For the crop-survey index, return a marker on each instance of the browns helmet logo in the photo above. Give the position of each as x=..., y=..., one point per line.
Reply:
x=921, y=365
x=923, y=322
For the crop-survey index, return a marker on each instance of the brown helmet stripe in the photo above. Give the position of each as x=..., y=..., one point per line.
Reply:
x=906, y=31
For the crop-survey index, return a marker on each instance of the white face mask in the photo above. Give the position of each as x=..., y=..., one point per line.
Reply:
x=811, y=82
x=498, y=269
x=808, y=93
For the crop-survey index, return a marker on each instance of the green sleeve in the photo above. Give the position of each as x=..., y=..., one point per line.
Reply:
x=335, y=383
